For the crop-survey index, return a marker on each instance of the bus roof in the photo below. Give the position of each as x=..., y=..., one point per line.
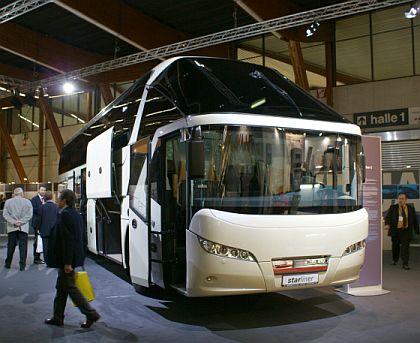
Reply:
x=202, y=85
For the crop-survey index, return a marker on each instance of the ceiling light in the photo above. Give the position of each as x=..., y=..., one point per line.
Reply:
x=413, y=11
x=312, y=28
x=68, y=88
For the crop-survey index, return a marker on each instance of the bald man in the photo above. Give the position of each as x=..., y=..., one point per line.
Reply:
x=17, y=212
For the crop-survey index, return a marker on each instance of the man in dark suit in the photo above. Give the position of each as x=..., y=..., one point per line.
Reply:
x=69, y=250
x=37, y=202
x=49, y=216
x=401, y=221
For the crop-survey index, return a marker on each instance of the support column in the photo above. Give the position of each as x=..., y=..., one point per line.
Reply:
x=4, y=132
x=298, y=64
x=89, y=105
x=329, y=73
x=41, y=149
x=52, y=124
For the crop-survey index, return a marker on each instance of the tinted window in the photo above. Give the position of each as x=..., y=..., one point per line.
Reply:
x=158, y=111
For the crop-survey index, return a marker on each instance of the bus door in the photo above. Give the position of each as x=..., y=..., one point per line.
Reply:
x=98, y=185
x=174, y=206
x=139, y=214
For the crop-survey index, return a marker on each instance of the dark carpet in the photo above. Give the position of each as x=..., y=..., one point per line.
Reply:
x=318, y=315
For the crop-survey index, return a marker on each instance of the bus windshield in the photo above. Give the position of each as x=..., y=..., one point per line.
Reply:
x=259, y=170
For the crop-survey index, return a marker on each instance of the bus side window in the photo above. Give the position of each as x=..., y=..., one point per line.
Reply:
x=138, y=177
x=155, y=175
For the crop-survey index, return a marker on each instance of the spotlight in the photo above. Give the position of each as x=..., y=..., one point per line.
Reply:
x=413, y=12
x=68, y=88
x=312, y=28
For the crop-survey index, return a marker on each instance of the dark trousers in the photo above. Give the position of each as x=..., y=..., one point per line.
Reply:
x=15, y=238
x=66, y=287
x=401, y=244
x=37, y=255
x=45, y=247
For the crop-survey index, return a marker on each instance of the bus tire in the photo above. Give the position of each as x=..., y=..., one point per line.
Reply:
x=146, y=291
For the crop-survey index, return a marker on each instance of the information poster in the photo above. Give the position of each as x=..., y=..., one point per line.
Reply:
x=371, y=274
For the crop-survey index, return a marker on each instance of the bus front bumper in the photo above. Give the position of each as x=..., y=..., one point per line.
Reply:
x=212, y=275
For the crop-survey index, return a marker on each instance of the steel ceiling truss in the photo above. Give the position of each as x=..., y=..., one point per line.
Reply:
x=17, y=8
x=252, y=30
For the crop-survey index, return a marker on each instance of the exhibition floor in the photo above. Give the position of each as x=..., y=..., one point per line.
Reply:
x=320, y=315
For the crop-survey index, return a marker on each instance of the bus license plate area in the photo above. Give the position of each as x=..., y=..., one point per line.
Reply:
x=300, y=279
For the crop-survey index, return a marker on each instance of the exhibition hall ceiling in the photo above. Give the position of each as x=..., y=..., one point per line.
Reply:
x=69, y=34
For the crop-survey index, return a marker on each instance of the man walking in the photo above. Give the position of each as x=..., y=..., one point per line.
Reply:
x=69, y=252
x=49, y=217
x=37, y=202
x=401, y=221
x=17, y=212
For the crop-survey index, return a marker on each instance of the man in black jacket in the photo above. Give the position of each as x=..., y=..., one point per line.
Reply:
x=70, y=251
x=37, y=202
x=401, y=221
x=49, y=216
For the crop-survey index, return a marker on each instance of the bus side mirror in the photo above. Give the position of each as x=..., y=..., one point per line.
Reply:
x=196, y=168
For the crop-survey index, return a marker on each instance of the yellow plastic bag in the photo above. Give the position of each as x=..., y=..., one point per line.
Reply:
x=81, y=279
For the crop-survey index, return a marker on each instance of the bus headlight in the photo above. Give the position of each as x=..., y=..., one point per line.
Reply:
x=225, y=251
x=354, y=247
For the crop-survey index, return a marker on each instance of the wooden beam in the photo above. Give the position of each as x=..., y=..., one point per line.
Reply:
x=58, y=56
x=267, y=9
x=106, y=93
x=22, y=74
x=52, y=124
x=130, y=25
x=5, y=102
x=44, y=50
x=12, y=149
x=41, y=149
x=123, y=21
x=299, y=69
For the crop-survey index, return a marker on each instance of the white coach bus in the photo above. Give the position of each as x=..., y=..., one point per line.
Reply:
x=219, y=177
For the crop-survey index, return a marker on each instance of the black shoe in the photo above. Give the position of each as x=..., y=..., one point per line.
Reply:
x=39, y=261
x=54, y=321
x=7, y=266
x=89, y=321
x=406, y=267
x=22, y=268
x=394, y=263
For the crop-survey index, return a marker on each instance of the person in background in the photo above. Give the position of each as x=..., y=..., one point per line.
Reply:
x=400, y=222
x=37, y=202
x=2, y=201
x=69, y=250
x=49, y=216
x=17, y=212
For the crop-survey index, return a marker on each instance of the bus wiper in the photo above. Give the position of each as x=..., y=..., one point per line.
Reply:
x=258, y=75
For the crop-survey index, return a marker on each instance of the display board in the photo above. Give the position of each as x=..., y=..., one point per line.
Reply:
x=370, y=281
